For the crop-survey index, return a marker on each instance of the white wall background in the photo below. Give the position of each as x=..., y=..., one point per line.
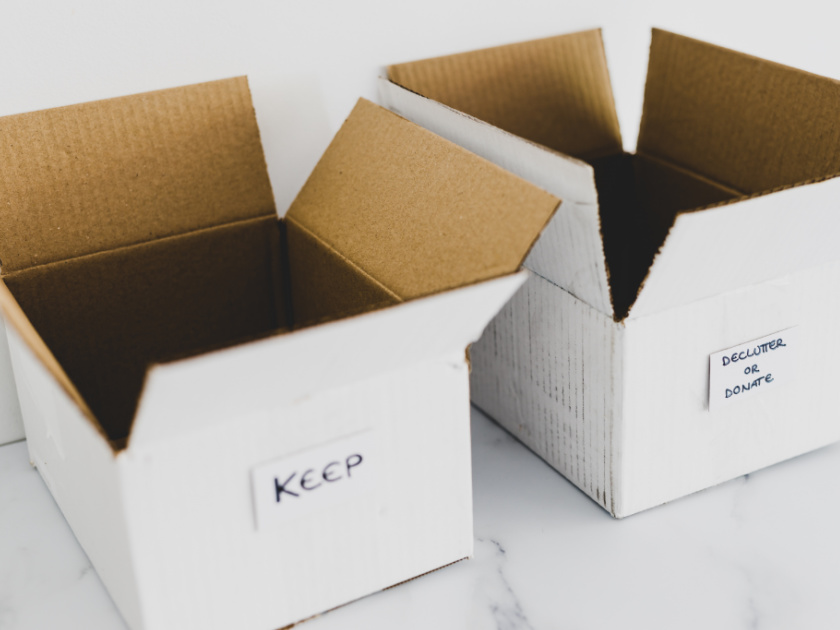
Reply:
x=309, y=60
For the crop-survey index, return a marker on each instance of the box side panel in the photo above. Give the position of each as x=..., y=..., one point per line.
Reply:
x=80, y=470
x=545, y=369
x=11, y=422
x=673, y=444
x=569, y=252
x=203, y=563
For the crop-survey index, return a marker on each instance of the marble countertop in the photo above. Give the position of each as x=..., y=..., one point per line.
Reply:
x=759, y=552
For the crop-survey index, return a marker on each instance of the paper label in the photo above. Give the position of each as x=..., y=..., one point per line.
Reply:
x=314, y=480
x=751, y=368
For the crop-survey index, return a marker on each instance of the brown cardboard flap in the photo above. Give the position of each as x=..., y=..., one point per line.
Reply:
x=554, y=91
x=750, y=124
x=96, y=176
x=415, y=212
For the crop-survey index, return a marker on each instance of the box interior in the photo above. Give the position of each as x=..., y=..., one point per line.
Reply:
x=107, y=316
x=364, y=233
x=717, y=126
x=638, y=198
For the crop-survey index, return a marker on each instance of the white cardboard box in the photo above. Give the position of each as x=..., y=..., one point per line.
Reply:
x=602, y=363
x=249, y=421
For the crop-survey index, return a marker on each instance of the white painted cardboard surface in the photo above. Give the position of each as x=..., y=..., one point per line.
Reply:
x=11, y=422
x=80, y=470
x=169, y=522
x=548, y=368
x=195, y=542
x=673, y=444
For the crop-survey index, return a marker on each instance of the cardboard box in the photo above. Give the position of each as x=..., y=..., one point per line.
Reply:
x=719, y=234
x=248, y=421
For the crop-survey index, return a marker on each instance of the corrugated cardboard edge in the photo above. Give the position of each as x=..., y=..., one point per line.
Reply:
x=16, y=318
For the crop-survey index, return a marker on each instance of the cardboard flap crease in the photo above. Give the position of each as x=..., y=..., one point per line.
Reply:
x=166, y=244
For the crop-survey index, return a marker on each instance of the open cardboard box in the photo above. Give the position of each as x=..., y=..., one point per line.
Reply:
x=720, y=231
x=248, y=421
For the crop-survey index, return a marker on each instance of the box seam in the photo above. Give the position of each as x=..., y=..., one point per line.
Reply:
x=343, y=258
x=15, y=272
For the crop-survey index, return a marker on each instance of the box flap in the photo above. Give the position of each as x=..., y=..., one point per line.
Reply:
x=416, y=213
x=754, y=240
x=107, y=316
x=570, y=251
x=554, y=91
x=101, y=175
x=747, y=123
x=195, y=394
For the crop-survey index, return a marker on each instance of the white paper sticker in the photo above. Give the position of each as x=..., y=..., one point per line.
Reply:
x=751, y=368
x=314, y=480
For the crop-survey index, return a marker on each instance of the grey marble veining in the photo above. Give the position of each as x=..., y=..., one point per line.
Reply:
x=759, y=552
